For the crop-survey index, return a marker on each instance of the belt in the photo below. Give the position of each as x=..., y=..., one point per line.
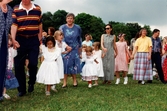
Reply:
x=27, y=36
x=155, y=52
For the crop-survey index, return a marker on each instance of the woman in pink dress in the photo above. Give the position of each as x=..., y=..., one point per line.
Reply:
x=120, y=60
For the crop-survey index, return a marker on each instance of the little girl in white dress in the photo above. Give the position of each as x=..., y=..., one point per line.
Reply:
x=98, y=53
x=48, y=71
x=58, y=35
x=89, y=70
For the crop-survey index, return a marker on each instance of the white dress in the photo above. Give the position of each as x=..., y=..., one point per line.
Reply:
x=89, y=70
x=131, y=65
x=99, y=66
x=48, y=71
x=62, y=46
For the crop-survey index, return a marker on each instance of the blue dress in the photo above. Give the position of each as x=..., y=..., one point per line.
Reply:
x=72, y=37
x=3, y=60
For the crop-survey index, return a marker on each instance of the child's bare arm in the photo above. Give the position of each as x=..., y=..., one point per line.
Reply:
x=42, y=58
x=96, y=61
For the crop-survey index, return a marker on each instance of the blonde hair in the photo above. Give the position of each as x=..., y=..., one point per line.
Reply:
x=57, y=33
x=88, y=49
x=84, y=46
x=163, y=42
x=97, y=44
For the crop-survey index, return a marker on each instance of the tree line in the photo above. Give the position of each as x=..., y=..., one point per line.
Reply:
x=93, y=25
x=90, y=24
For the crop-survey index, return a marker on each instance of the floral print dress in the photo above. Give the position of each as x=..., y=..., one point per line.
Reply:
x=72, y=37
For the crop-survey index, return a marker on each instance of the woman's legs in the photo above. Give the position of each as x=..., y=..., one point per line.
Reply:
x=74, y=80
x=65, y=80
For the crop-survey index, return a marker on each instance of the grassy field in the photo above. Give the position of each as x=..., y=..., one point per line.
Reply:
x=131, y=97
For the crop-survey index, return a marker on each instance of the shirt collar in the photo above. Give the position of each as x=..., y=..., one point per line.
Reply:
x=21, y=6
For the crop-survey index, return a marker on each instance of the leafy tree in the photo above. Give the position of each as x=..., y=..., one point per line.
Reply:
x=59, y=18
x=90, y=24
x=133, y=28
x=54, y=20
x=47, y=20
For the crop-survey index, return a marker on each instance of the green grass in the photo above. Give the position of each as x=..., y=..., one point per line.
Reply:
x=130, y=97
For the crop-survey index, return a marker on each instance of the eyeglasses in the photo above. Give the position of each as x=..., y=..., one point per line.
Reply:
x=107, y=28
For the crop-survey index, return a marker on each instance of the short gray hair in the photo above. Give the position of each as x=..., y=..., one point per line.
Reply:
x=70, y=14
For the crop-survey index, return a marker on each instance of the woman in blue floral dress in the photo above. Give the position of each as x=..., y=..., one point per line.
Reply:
x=72, y=37
x=5, y=24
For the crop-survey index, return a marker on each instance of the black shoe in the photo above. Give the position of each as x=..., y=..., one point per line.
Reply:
x=75, y=84
x=164, y=82
x=149, y=81
x=30, y=88
x=64, y=86
x=139, y=82
x=1, y=99
x=20, y=94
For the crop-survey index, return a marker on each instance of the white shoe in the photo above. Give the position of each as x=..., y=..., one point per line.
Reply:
x=143, y=82
x=95, y=84
x=117, y=81
x=27, y=73
x=6, y=96
x=47, y=93
x=53, y=88
x=126, y=80
x=90, y=85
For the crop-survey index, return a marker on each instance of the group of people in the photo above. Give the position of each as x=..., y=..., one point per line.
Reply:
x=63, y=53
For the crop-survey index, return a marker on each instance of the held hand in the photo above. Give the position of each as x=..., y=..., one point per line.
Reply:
x=132, y=57
x=115, y=55
x=103, y=55
x=68, y=48
x=80, y=56
x=15, y=44
x=149, y=57
x=105, y=50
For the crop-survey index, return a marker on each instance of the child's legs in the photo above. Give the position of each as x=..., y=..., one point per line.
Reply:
x=117, y=74
x=125, y=73
x=89, y=82
x=48, y=88
x=96, y=81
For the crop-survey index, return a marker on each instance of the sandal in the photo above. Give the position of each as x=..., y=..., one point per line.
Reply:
x=6, y=96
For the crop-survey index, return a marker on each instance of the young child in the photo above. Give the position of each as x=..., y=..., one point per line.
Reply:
x=120, y=60
x=98, y=53
x=87, y=40
x=58, y=35
x=48, y=71
x=11, y=54
x=89, y=71
x=83, y=54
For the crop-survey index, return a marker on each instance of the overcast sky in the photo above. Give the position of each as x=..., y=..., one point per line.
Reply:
x=149, y=12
